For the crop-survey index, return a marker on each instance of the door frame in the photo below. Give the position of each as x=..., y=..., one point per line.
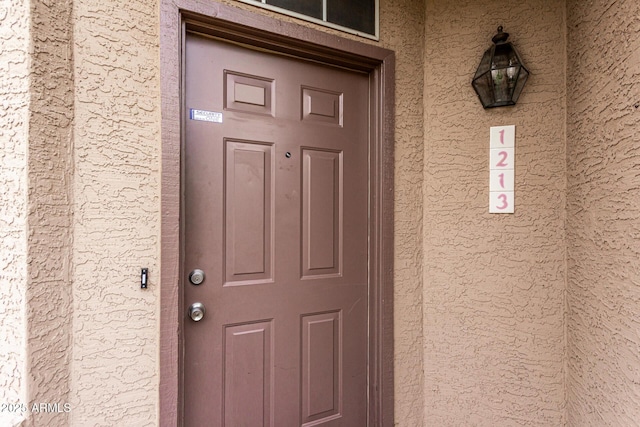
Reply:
x=254, y=28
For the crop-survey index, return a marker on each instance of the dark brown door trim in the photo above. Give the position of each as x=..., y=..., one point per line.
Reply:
x=254, y=29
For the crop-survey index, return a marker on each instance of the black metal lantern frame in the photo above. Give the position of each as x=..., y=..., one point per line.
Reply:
x=501, y=74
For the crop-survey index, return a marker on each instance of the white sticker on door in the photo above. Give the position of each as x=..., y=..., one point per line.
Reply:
x=205, y=116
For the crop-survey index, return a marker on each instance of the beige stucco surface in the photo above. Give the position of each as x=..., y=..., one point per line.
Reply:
x=14, y=128
x=493, y=283
x=603, y=214
x=35, y=211
x=402, y=27
x=49, y=262
x=116, y=213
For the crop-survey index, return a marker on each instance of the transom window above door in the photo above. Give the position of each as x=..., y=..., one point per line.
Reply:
x=353, y=16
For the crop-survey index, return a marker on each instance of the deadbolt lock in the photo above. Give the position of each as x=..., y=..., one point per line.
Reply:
x=196, y=276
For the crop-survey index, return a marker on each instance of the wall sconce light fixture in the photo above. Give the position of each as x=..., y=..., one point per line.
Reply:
x=501, y=74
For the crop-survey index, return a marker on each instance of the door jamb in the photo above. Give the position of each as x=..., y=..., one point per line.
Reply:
x=249, y=27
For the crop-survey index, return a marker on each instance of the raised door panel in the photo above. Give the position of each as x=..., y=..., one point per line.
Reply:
x=321, y=213
x=248, y=375
x=321, y=351
x=248, y=199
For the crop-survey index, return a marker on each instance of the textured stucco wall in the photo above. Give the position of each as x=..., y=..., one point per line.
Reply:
x=35, y=210
x=14, y=121
x=603, y=232
x=402, y=30
x=49, y=210
x=116, y=212
x=493, y=284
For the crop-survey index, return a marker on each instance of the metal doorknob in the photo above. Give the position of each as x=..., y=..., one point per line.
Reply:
x=196, y=311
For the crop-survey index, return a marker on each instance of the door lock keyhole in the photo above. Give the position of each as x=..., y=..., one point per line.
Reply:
x=196, y=277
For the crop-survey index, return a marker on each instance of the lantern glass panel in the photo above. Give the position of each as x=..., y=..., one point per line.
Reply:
x=521, y=80
x=485, y=63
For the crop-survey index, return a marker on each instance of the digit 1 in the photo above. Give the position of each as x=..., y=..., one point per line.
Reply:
x=501, y=180
x=501, y=136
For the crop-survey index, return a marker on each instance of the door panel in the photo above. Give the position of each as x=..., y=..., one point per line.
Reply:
x=252, y=94
x=321, y=213
x=248, y=374
x=276, y=215
x=248, y=201
x=321, y=366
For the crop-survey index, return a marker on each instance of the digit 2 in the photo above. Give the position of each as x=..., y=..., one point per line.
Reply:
x=503, y=159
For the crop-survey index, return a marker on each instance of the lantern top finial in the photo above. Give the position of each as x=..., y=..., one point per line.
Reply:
x=500, y=37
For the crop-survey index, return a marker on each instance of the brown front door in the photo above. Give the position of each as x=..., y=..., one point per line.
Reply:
x=276, y=215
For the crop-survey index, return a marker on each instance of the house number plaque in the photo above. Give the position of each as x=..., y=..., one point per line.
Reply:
x=501, y=169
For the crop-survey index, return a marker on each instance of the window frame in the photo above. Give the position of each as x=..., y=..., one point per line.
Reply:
x=323, y=22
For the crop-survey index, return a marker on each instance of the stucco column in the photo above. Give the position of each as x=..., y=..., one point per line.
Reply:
x=35, y=213
x=14, y=109
x=603, y=213
x=494, y=284
x=48, y=288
